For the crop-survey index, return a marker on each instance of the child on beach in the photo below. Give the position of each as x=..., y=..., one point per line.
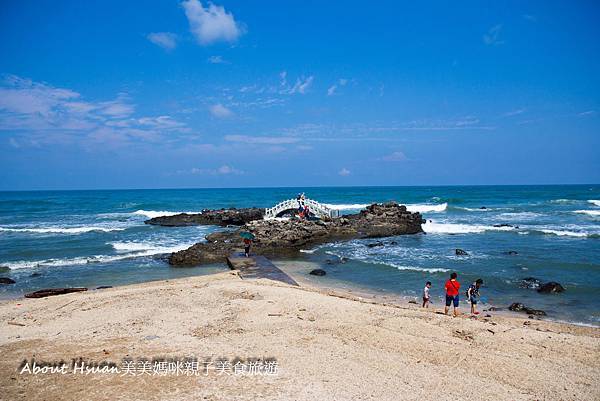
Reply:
x=452, y=286
x=473, y=295
x=426, y=294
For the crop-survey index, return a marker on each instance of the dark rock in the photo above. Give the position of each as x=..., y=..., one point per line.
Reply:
x=483, y=208
x=512, y=253
x=103, y=287
x=223, y=218
x=35, y=274
x=503, y=225
x=374, y=244
x=318, y=272
x=493, y=309
x=460, y=252
x=286, y=237
x=412, y=301
x=551, y=287
x=4, y=269
x=530, y=282
x=54, y=291
x=519, y=307
x=393, y=243
x=6, y=280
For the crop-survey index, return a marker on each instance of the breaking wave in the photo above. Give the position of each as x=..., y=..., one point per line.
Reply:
x=424, y=208
x=456, y=228
x=351, y=206
x=61, y=230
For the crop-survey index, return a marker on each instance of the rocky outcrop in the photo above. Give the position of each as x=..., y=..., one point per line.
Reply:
x=460, y=252
x=519, y=307
x=287, y=237
x=551, y=287
x=318, y=272
x=222, y=217
x=6, y=280
x=48, y=292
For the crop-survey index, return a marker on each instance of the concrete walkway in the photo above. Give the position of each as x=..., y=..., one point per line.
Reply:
x=257, y=266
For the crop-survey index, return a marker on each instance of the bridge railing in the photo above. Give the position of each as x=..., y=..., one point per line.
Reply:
x=315, y=208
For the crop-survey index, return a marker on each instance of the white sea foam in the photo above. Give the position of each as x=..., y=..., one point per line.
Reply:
x=471, y=209
x=310, y=251
x=594, y=202
x=128, y=250
x=456, y=228
x=424, y=208
x=519, y=215
x=588, y=212
x=414, y=268
x=352, y=206
x=159, y=213
x=565, y=233
x=61, y=230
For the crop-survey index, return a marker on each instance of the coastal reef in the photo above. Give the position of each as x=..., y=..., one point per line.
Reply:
x=221, y=217
x=287, y=237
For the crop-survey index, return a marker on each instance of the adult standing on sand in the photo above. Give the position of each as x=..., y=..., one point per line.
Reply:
x=452, y=287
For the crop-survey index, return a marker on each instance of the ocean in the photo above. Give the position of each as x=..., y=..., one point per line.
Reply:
x=97, y=238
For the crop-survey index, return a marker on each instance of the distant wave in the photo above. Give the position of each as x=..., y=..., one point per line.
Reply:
x=413, y=268
x=471, y=209
x=424, y=208
x=351, y=206
x=129, y=250
x=520, y=215
x=594, y=202
x=565, y=233
x=455, y=228
x=61, y=230
x=148, y=247
x=154, y=213
x=588, y=212
x=564, y=201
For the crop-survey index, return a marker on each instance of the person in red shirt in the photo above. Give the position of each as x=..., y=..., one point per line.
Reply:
x=452, y=287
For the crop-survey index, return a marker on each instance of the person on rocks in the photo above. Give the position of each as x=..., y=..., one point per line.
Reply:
x=306, y=212
x=247, y=245
x=452, y=286
x=426, y=296
x=473, y=295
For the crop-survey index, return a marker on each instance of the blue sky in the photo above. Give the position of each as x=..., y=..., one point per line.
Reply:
x=165, y=94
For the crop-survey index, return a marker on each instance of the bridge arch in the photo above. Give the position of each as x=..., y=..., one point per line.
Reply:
x=316, y=208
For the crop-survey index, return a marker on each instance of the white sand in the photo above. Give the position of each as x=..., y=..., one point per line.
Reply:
x=328, y=347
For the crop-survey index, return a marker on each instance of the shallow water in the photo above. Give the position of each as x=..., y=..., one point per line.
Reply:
x=93, y=238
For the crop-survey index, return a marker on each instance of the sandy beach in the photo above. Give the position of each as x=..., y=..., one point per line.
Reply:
x=317, y=344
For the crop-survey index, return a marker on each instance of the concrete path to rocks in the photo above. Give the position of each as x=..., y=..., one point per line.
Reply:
x=256, y=266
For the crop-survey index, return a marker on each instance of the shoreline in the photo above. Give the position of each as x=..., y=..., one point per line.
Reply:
x=351, y=289
x=345, y=346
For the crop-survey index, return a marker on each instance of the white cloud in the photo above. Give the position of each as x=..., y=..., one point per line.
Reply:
x=270, y=140
x=220, y=111
x=217, y=60
x=166, y=40
x=211, y=24
x=395, y=157
x=283, y=78
x=344, y=172
x=493, y=36
x=331, y=90
x=514, y=112
x=587, y=113
x=301, y=85
x=223, y=170
x=13, y=142
x=42, y=114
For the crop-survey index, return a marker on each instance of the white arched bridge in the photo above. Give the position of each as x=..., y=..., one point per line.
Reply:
x=318, y=209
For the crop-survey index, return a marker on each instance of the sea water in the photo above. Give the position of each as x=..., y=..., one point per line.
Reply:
x=94, y=238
